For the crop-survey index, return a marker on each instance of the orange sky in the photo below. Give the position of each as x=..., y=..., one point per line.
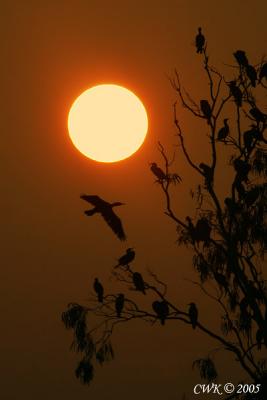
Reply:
x=51, y=51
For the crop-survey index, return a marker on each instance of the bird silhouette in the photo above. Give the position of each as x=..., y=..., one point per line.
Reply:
x=157, y=171
x=224, y=131
x=161, y=308
x=251, y=74
x=250, y=136
x=106, y=210
x=263, y=72
x=119, y=304
x=206, y=109
x=251, y=196
x=242, y=168
x=208, y=173
x=202, y=230
x=99, y=290
x=200, y=41
x=257, y=114
x=126, y=259
x=235, y=91
x=139, y=282
x=193, y=314
x=241, y=58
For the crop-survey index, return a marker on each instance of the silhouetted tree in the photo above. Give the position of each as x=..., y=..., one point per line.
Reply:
x=227, y=236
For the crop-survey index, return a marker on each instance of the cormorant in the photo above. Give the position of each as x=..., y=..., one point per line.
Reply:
x=202, y=230
x=242, y=168
x=251, y=196
x=99, y=290
x=193, y=314
x=252, y=74
x=208, y=173
x=157, y=171
x=263, y=72
x=257, y=114
x=206, y=109
x=200, y=41
x=126, y=259
x=249, y=136
x=241, y=58
x=191, y=228
x=139, y=282
x=161, y=308
x=106, y=210
x=235, y=91
x=119, y=304
x=224, y=131
x=221, y=280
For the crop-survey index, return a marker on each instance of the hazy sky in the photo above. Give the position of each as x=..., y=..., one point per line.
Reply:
x=51, y=51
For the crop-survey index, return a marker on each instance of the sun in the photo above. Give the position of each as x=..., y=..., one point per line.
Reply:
x=107, y=123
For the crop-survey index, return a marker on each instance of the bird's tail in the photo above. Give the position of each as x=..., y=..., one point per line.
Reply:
x=100, y=297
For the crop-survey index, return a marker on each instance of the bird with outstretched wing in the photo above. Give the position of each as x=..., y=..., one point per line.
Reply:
x=106, y=210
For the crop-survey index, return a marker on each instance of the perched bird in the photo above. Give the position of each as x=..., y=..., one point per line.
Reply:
x=106, y=210
x=263, y=72
x=157, y=171
x=202, y=230
x=235, y=91
x=99, y=290
x=126, y=259
x=208, y=173
x=193, y=314
x=251, y=135
x=221, y=280
x=206, y=109
x=241, y=58
x=119, y=304
x=251, y=74
x=224, y=131
x=191, y=228
x=257, y=114
x=139, y=282
x=251, y=196
x=161, y=308
x=242, y=168
x=200, y=41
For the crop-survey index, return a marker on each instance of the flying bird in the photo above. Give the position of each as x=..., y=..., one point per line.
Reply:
x=139, y=282
x=263, y=72
x=106, y=210
x=241, y=58
x=206, y=109
x=224, y=131
x=157, y=171
x=119, y=304
x=193, y=314
x=99, y=290
x=200, y=41
x=235, y=91
x=161, y=308
x=126, y=259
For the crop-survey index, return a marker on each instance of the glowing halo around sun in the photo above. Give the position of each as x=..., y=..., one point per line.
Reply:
x=107, y=123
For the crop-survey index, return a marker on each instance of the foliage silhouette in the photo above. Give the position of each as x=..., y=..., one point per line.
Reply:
x=227, y=236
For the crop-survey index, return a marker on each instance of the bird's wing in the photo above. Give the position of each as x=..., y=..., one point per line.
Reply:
x=115, y=224
x=93, y=199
